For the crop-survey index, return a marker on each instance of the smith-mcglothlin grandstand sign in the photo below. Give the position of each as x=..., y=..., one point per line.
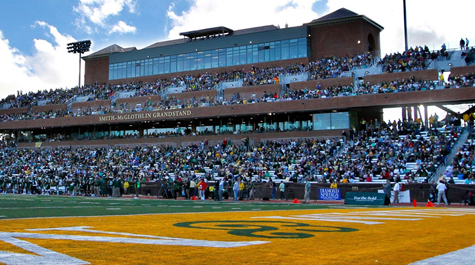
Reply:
x=140, y=116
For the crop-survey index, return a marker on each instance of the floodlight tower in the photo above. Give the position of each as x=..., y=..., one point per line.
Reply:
x=405, y=25
x=79, y=47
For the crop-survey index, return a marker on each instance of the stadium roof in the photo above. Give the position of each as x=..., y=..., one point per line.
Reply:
x=340, y=16
x=255, y=30
x=207, y=32
x=108, y=50
x=235, y=33
x=166, y=43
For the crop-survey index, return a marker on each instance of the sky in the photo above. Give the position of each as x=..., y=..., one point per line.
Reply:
x=34, y=34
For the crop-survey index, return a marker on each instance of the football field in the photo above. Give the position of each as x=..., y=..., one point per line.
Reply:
x=65, y=230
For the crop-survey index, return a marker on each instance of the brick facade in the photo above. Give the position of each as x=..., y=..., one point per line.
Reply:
x=96, y=70
x=462, y=70
x=342, y=39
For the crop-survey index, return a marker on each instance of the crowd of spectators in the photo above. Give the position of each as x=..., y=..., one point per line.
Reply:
x=385, y=152
x=463, y=165
x=378, y=151
x=171, y=102
x=414, y=59
x=325, y=68
x=333, y=67
x=466, y=80
x=152, y=163
x=336, y=67
x=404, y=85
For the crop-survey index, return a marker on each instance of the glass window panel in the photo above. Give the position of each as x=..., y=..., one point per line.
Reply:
x=340, y=120
x=249, y=54
x=272, y=51
x=142, y=67
x=278, y=51
x=173, y=64
x=321, y=121
x=122, y=72
x=235, y=56
x=229, y=56
x=110, y=72
x=302, y=50
x=293, y=52
x=214, y=58
x=222, y=57
x=191, y=61
x=285, y=49
x=242, y=55
x=131, y=69
x=155, y=66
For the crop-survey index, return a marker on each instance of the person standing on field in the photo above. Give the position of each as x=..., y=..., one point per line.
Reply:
x=282, y=190
x=308, y=188
x=396, y=189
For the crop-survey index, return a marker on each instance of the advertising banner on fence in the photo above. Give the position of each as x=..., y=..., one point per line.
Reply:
x=329, y=194
x=404, y=196
x=364, y=198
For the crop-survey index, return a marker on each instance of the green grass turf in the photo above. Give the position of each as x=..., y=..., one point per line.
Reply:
x=30, y=206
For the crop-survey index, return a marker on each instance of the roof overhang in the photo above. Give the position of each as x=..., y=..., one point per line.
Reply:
x=344, y=20
x=207, y=32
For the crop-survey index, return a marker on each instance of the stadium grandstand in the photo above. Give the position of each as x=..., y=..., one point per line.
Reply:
x=264, y=102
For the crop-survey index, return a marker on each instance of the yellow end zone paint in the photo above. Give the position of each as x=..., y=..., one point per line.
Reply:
x=336, y=236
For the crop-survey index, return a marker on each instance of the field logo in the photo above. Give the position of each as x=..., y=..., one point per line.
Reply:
x=265, y=229
x=46, y=256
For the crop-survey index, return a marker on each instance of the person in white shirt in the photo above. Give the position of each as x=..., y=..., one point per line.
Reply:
x=441, y=189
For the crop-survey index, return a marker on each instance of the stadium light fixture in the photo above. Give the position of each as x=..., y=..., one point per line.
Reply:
x=79, y=47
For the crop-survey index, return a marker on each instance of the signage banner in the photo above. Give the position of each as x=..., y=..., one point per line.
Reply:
x=365, y=198
x=329, y=194
x=404, y=196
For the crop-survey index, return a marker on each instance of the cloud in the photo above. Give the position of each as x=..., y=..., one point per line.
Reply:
x=122, y=27
x=49, y=67
x=99, y=13
x=239, y=14
x=426, y=17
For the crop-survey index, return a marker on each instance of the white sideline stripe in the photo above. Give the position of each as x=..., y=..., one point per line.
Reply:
x=458, y=257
